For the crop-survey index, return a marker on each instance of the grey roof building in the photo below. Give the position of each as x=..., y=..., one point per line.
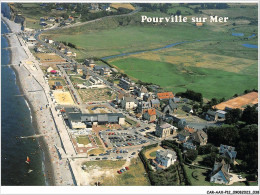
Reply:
x=228, y=151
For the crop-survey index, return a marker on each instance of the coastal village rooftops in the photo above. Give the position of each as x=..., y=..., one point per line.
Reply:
x=165, y=95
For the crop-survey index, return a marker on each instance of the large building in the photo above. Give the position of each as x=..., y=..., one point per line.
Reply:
x=164, y=158
x=126, y=84
x=78, y=120
x=164, y=130
x=165, y=95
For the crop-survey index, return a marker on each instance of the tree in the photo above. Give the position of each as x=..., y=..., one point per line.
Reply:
x=191, y=155
x=178, y=12
x=209, y=160
x=233, y=116
x=250, y=115
x=207, y=149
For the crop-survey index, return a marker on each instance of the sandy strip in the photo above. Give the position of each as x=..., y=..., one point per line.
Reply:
x=57, y=170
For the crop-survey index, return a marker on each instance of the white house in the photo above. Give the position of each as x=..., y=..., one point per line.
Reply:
x=128, y=103
x=164, y=158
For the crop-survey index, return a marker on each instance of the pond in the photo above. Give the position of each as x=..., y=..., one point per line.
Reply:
x=238, y=34
x=250, y=46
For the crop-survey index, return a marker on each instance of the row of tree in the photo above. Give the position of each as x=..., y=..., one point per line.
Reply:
x=248, y=116
x=244, y=139
x=69, y=44
x=192, y=95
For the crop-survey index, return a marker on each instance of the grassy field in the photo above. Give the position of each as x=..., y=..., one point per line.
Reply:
x=106, y=164
x=83, y=140
x=96, y=151
x=96, y=94
x=213, y=61
x=122, y=5
x=198, y=177
x=176, y=77
x=135, y=176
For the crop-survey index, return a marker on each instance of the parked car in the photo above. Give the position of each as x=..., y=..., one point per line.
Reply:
x=97, y=158
x=127, y=168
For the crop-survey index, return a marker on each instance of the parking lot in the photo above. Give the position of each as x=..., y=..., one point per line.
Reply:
x=121, y=138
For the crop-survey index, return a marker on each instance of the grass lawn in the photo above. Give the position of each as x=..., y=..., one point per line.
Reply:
x=177, y=78
x=98, y=141
x=151, y=153
x=77, y=79
x=198, y=177
x=96, y=151
x=135, y=176
x=106, y=164
x=131, y=122
x=83, y=140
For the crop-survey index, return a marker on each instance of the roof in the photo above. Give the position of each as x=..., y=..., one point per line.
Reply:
x=228, y=151
x=221, y=112
x=199, y=136
x=129, y=99
x=184, y=133
x=165, y=95
x=186, y=108
x=172, y=104
x=143, y=89
x=99, y=117
x=150, y=111
x=58, y=84
x=211, y=113
x=165, y=125
x=190, y=129
x=155, y=101
x=166, y=153
x=223, y=167
x=53, y=71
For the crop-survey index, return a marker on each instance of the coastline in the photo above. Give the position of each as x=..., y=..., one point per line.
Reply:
x=36, y=91
x=48, y=168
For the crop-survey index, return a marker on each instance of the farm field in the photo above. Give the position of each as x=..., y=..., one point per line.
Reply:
x=177, y=78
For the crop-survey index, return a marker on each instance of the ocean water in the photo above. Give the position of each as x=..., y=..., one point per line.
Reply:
x=16, y=121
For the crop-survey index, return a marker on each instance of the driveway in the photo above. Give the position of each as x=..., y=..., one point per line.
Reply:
x=235, y=179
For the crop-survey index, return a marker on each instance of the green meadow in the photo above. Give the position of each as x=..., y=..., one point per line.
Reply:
x=210, y=82
x=217, y=66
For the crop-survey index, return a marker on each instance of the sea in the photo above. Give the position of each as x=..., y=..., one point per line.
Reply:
x=16, y=122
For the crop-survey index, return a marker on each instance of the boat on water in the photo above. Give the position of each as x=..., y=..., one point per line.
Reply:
x=28, y=160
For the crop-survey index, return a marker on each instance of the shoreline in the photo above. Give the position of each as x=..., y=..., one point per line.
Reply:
x=48, y=167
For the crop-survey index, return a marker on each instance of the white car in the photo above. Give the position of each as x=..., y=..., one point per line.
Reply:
x=240, y=177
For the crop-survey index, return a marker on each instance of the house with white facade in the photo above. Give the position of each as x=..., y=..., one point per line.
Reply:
x=164, y=159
